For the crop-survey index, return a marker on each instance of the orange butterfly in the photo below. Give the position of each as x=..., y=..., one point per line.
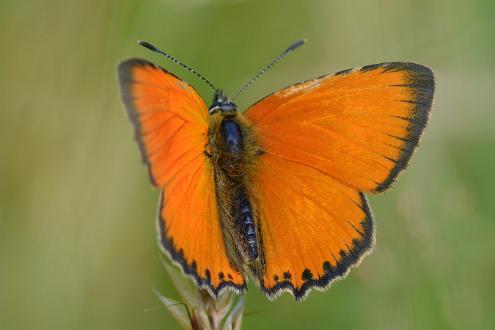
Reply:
x=275, y=193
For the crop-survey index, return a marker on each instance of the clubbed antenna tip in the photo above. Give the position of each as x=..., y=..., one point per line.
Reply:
x=290, y=49
x=296, y=45
x=173, y=59
x=148, y=45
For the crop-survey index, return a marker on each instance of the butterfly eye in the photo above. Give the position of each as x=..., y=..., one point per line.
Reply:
x=223, y=104
x=213, y=109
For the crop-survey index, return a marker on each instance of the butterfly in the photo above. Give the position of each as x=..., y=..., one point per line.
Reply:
x=274, y=193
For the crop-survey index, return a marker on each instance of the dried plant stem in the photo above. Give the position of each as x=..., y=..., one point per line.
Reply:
x=198, y=309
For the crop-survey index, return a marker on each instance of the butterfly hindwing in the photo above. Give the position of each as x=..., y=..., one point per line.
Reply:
x=171, y=125
x=314, y=228
x=325, y=142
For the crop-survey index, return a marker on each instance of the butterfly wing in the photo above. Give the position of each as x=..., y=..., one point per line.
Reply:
x=313, y=227
x=360, y=126
x=171, y=125
x=326, y=141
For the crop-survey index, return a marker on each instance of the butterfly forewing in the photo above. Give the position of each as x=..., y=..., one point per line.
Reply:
x=171, y=125
x=360, y=126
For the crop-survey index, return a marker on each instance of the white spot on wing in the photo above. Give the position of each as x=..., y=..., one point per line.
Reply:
x=306, y=87
x=182, y=85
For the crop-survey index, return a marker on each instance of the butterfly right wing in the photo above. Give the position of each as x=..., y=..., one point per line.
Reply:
x=171, y=126
x=325, y=142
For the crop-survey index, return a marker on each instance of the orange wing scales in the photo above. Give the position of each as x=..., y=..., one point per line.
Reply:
x=314, y=227
x=171, y=125
x=325, y=142
x=360, y=125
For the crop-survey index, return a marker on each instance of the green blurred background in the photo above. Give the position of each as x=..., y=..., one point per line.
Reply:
x=77, y=213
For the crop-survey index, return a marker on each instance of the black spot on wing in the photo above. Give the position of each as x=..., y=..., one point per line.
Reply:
x=327, y=267
x=307, y=275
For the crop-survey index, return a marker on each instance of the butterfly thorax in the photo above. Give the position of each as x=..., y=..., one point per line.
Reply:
x=232, y=152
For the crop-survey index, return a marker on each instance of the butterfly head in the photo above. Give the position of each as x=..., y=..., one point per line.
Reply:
x=223, y=104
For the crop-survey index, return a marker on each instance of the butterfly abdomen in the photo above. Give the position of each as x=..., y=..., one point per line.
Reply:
x=245, y=220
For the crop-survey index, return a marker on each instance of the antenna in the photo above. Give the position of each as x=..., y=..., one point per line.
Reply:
x=291, y=48
x=173, y=59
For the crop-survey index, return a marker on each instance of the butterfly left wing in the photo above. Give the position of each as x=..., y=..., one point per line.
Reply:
x=325, y=142
x=171, y=125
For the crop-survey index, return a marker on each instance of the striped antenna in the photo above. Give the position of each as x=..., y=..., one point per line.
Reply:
x=173, y=59
x=291, y=48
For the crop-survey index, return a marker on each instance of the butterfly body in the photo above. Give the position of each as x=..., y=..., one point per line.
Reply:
x=232, y=152
x=276, y=193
